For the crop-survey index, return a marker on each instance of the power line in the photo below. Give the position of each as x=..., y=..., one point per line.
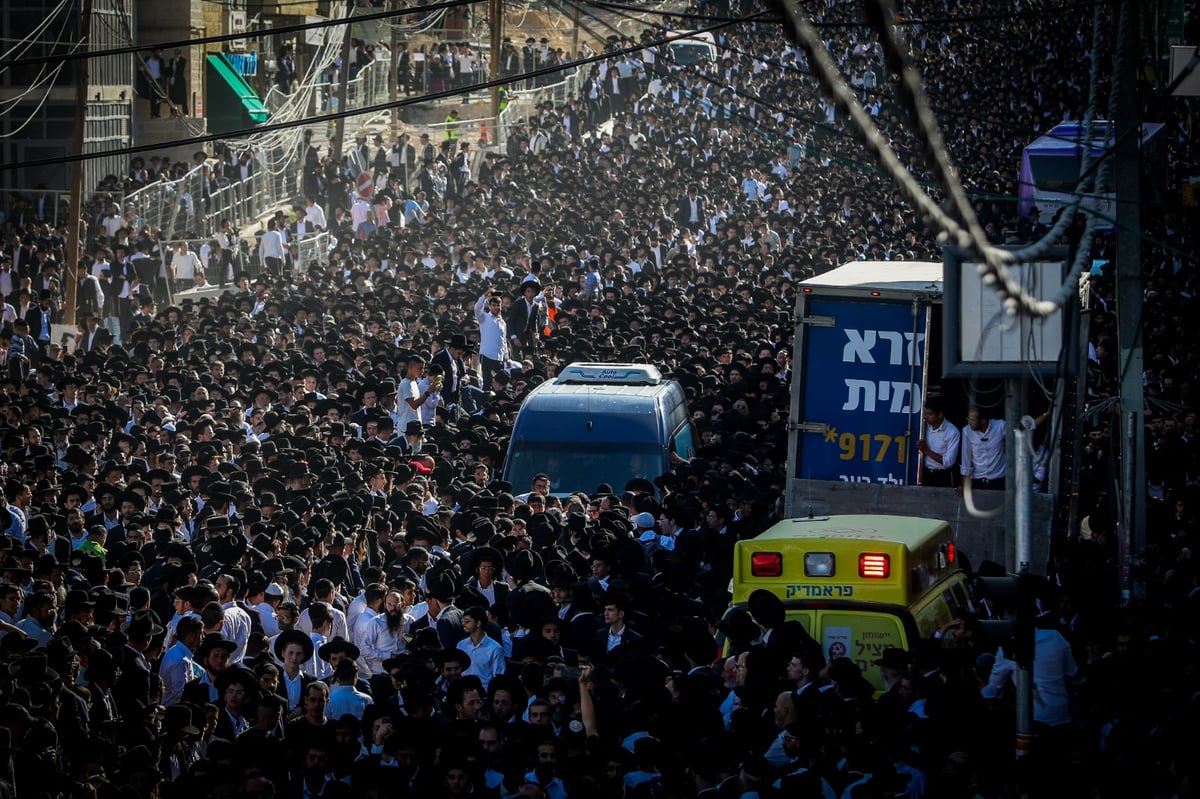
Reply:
x=230, y=37
x=902, y=22
x=366, y=110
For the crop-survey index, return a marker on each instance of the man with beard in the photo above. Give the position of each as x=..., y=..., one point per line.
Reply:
x=384, y=634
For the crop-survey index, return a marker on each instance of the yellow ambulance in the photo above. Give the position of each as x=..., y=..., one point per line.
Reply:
x=859, y=584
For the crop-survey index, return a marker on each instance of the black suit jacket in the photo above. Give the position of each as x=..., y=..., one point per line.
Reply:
x=133, y=683
x=630, y=638
x=455, y=370
x=281, y=689
x=522, y=320
x=683, y=211
x=34, y=318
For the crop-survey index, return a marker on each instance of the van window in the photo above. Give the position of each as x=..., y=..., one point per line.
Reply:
x=576, y=469
x=682, y=443
x=689, y=53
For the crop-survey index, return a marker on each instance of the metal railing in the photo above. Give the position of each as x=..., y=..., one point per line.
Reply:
x=53, y=207
x=310, y=253
x=235, y=202
x=173, y=207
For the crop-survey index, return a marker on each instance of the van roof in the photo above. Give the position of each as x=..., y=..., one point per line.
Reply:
x=907, y=531
x=699, y=36
x=920, y=276
x=610, y=374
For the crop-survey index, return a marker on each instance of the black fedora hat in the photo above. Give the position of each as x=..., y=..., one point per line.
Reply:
x=338, y=644
x=101, y=664
x=444, y=656
x=237, y=675
x=213, y=641
x=288, y=637
x=143, y=625
x=33, y=668
x=179, y=719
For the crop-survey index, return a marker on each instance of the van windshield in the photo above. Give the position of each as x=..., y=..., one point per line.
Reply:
x=581, y=470
x=690, y=53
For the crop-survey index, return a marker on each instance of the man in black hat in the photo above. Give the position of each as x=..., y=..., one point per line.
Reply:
x=488, y=566
x=212, y=656
x=132, y=689
x=238, y=689
x=441, y=612
x=40, y=318
x=526, y=318
x=293, y=648
x=449, y=358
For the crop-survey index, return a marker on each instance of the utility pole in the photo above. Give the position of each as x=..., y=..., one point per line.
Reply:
x=74, y=228
x=339, y=124
x=575, y=30
x=1130, y=427
x=496, y=18
x=1023, y=444
x=394, y=78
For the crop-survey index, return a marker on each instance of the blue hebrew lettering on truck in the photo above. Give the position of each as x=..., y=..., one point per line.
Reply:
x=862, y=380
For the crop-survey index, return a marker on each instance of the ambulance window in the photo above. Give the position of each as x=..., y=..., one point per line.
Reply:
x=682, y=444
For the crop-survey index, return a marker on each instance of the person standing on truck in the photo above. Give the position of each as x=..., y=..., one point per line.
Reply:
x=493, y=336
x=939, y=448
x=983, y=452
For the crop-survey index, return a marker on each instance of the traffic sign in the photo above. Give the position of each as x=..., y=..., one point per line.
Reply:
x=365, y=184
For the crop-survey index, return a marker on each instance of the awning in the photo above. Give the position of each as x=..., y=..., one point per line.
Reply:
x=231, y=104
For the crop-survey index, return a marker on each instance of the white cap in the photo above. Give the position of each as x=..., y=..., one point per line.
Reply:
x=643, y=520
x=274, y=589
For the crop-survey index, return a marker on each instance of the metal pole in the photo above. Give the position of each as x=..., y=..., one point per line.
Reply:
x=1023, y=490
x=394, y=78
x=75, y=233
x=339, y=124
x=496, y=15
x=1022, y=441
x=1012, y=422
x=1129, y=292
x=1081, y=383
x=575, y=30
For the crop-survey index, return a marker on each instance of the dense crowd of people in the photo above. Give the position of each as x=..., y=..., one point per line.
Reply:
x=257, y=544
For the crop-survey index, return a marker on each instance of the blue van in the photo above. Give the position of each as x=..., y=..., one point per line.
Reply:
x=599, y=423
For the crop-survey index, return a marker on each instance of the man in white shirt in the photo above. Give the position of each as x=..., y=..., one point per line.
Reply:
x=344, y=696
x=314, y=214
x=322, y=592
x=493, y=336
x=384, y=634
x=272, y=595
x=178, y=668
x=38, y=624
x=983, y=452
x=410, y=396
x=487, y=656
x=360, y=213
x=939, y=448
x=270, y=250
x=237, y=621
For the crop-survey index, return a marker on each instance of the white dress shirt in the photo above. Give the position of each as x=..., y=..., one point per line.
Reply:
x=487, y=658
x=983, y=451
x=945, y=441
x=177, y=669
